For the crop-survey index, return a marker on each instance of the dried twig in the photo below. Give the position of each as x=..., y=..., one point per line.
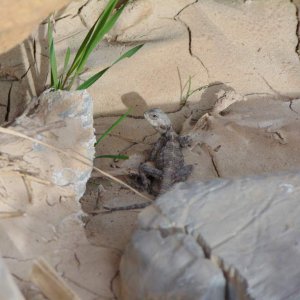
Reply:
x=11, y=214
x=50, y=283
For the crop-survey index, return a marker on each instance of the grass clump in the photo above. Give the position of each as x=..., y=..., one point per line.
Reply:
x=102, y=26
x=70, y=72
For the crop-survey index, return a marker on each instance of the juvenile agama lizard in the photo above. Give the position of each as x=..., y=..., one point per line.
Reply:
x=166, y=156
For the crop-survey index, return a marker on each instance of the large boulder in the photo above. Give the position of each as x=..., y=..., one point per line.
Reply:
x=248, y=230
x=46, y=159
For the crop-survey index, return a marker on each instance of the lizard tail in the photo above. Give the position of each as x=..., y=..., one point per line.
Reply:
x=129, y=207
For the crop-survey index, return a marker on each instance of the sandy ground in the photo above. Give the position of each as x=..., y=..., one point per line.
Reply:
x=246, y=48
x=244, y=140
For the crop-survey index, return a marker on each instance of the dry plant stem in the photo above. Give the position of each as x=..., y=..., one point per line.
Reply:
x=82, y=159
x=121, y=182
x=11, y=214
x=117, y=172
x=28, y=188
x=33, y=178
x=180, y=84
x=50, y=283
x=27, y=178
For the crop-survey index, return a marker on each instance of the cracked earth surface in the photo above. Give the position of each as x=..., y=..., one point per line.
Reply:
x=234, y=45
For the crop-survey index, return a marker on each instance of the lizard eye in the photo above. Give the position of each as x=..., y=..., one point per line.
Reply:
x=154, y=116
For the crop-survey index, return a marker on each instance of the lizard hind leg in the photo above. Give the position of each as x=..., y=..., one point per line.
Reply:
x=183, y=173
x=146, y=170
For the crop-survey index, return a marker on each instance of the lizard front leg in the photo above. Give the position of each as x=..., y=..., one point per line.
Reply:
x=183, y=173
x=157, y=147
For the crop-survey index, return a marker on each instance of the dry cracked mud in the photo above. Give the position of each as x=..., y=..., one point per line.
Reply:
x=247, y=51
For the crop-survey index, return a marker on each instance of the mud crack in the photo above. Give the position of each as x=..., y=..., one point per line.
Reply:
x=80, y=8
x=210, y=152
x=190, y=36
x=8, y=103
x=56, y=20
x=236, y=285
x=214, y=165
x=26, y=72
x=111, y=284
x=291, y=107
x=283, y=97
x=297, y=28
x=78, y=14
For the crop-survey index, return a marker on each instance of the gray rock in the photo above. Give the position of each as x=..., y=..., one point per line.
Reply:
x=159, y=265
x=66, y=120
x=46, y=159
x=246, y=229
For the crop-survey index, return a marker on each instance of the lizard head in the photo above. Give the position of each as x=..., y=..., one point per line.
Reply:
x=158, y=119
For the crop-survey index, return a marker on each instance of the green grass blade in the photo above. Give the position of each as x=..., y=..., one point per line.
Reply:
x=53, y=65
x=79, y=54
x=66, y=62
x=67, y=59
x=187, y=82
x=129, y=53
x=92, y=79
x=95, y=77
x=82, y=49
x=91, y=35
x=189, y=87
x=68, y=88
x=112, y=127
x=112, y=156
x=98, y=35
x=50, y=39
